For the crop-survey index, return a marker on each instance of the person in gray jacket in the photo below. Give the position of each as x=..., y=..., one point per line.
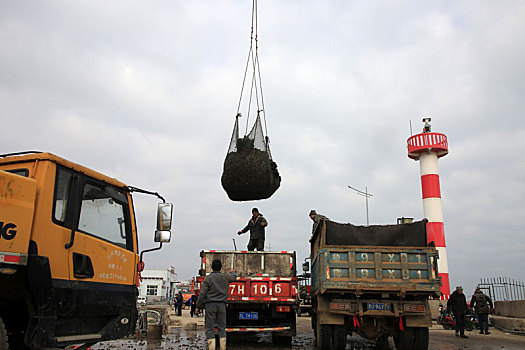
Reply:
x=213, y=295
x=256, y=226
x=482, y=303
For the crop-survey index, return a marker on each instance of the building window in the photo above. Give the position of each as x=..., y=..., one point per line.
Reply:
x=151, y=290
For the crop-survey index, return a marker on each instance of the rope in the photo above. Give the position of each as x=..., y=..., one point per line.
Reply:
x=256, y=87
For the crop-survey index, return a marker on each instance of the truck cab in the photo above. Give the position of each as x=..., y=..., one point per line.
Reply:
x=69, y=262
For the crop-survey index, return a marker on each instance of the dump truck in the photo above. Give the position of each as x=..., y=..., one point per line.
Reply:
x=69, y=258
x=375, y=281
x=264, y=297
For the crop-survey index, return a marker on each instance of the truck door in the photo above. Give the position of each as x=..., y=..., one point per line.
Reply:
x=101, y=259
x=102, y=249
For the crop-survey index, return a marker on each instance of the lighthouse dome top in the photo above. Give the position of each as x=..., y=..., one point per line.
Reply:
x=427, y=141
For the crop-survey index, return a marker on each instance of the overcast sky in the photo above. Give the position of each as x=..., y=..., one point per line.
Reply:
x=147, y=91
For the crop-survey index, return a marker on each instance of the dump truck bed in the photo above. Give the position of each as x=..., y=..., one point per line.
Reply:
x=377, y=258
x=375, y=269
x=251, y=263
x=264, y=296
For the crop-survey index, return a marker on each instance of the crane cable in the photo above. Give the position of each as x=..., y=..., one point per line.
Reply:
x=253, y=58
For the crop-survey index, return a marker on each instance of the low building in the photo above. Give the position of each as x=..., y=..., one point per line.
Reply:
x=158, y=285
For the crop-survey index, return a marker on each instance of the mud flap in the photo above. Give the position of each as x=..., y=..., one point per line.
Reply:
x=40, y=331
x=418, y=321
x=332, y=318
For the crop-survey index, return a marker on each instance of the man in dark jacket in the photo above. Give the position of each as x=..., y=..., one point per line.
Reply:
x=256, y=226
x=482, y=304
x=213, y=294
x=316, y=218
x=457, y=305
x=178, y=303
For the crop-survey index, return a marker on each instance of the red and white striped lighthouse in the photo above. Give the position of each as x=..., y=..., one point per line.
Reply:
x=427, y=147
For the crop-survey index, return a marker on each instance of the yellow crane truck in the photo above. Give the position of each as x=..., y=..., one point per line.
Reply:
x=69, y=262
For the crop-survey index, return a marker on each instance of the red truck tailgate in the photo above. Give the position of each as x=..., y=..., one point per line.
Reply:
x=264, y=289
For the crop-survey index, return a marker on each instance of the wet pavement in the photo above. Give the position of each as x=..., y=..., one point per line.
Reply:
x=440, y=339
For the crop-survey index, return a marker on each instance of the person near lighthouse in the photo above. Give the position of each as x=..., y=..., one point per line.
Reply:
x=482, y=303
x=457, y=305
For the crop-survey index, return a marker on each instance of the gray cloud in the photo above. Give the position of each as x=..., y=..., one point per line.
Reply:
x=147, y=93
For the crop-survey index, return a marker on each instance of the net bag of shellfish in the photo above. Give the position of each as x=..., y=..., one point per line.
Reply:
x=249, y=171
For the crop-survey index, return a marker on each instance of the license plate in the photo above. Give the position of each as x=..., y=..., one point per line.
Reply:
x=378, y=306
x=248, y=315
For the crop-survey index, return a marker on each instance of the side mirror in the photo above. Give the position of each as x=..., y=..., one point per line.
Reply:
x=306, y=266
x=162, y=236
x=164, y=214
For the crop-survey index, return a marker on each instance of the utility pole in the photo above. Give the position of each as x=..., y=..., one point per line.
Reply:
x=366, y=195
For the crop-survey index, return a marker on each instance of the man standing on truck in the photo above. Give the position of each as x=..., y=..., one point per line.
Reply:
x=213, y=294
x=256, y=226
x=316, y=218
x=482, y=303
x=457, y=305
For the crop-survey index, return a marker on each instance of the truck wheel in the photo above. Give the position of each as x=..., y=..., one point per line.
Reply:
x=324, y=337
x=421, y=338
x=331, y=337
x=314, y=324
x=404, y=340
x=382, y=343
x=3, y=337
x=284, y=340
x=339, y=337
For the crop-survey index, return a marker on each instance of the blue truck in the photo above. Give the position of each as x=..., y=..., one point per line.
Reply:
x=375, y=281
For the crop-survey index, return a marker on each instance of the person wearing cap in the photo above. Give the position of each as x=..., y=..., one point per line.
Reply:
x=482, y=304
x=213, y=295
x=457, y=305
x=316, y=218
x=256, y=226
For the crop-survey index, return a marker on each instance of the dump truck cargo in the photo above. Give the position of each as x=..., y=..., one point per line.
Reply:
x=375, y=281
x=264, y=296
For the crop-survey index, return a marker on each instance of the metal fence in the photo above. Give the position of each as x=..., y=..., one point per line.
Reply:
x=503, y=288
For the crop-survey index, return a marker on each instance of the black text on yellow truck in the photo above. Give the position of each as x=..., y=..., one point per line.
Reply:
x=69, y=262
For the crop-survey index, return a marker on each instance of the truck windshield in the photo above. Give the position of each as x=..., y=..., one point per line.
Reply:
x=101, y=215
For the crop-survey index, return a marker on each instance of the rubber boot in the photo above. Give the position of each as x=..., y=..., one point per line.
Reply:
x=222, y=343
x=211, y=344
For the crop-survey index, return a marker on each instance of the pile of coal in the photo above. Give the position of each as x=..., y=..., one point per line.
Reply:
x=405, y=235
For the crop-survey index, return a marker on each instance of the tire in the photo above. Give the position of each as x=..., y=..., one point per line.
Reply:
x=339, y=337
x=382, y=343
x=331, y=337
x=284, y=340
x=421, y=338
x=314, y=324
x=4, y=345
x=404, y=340
x=324, y=337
